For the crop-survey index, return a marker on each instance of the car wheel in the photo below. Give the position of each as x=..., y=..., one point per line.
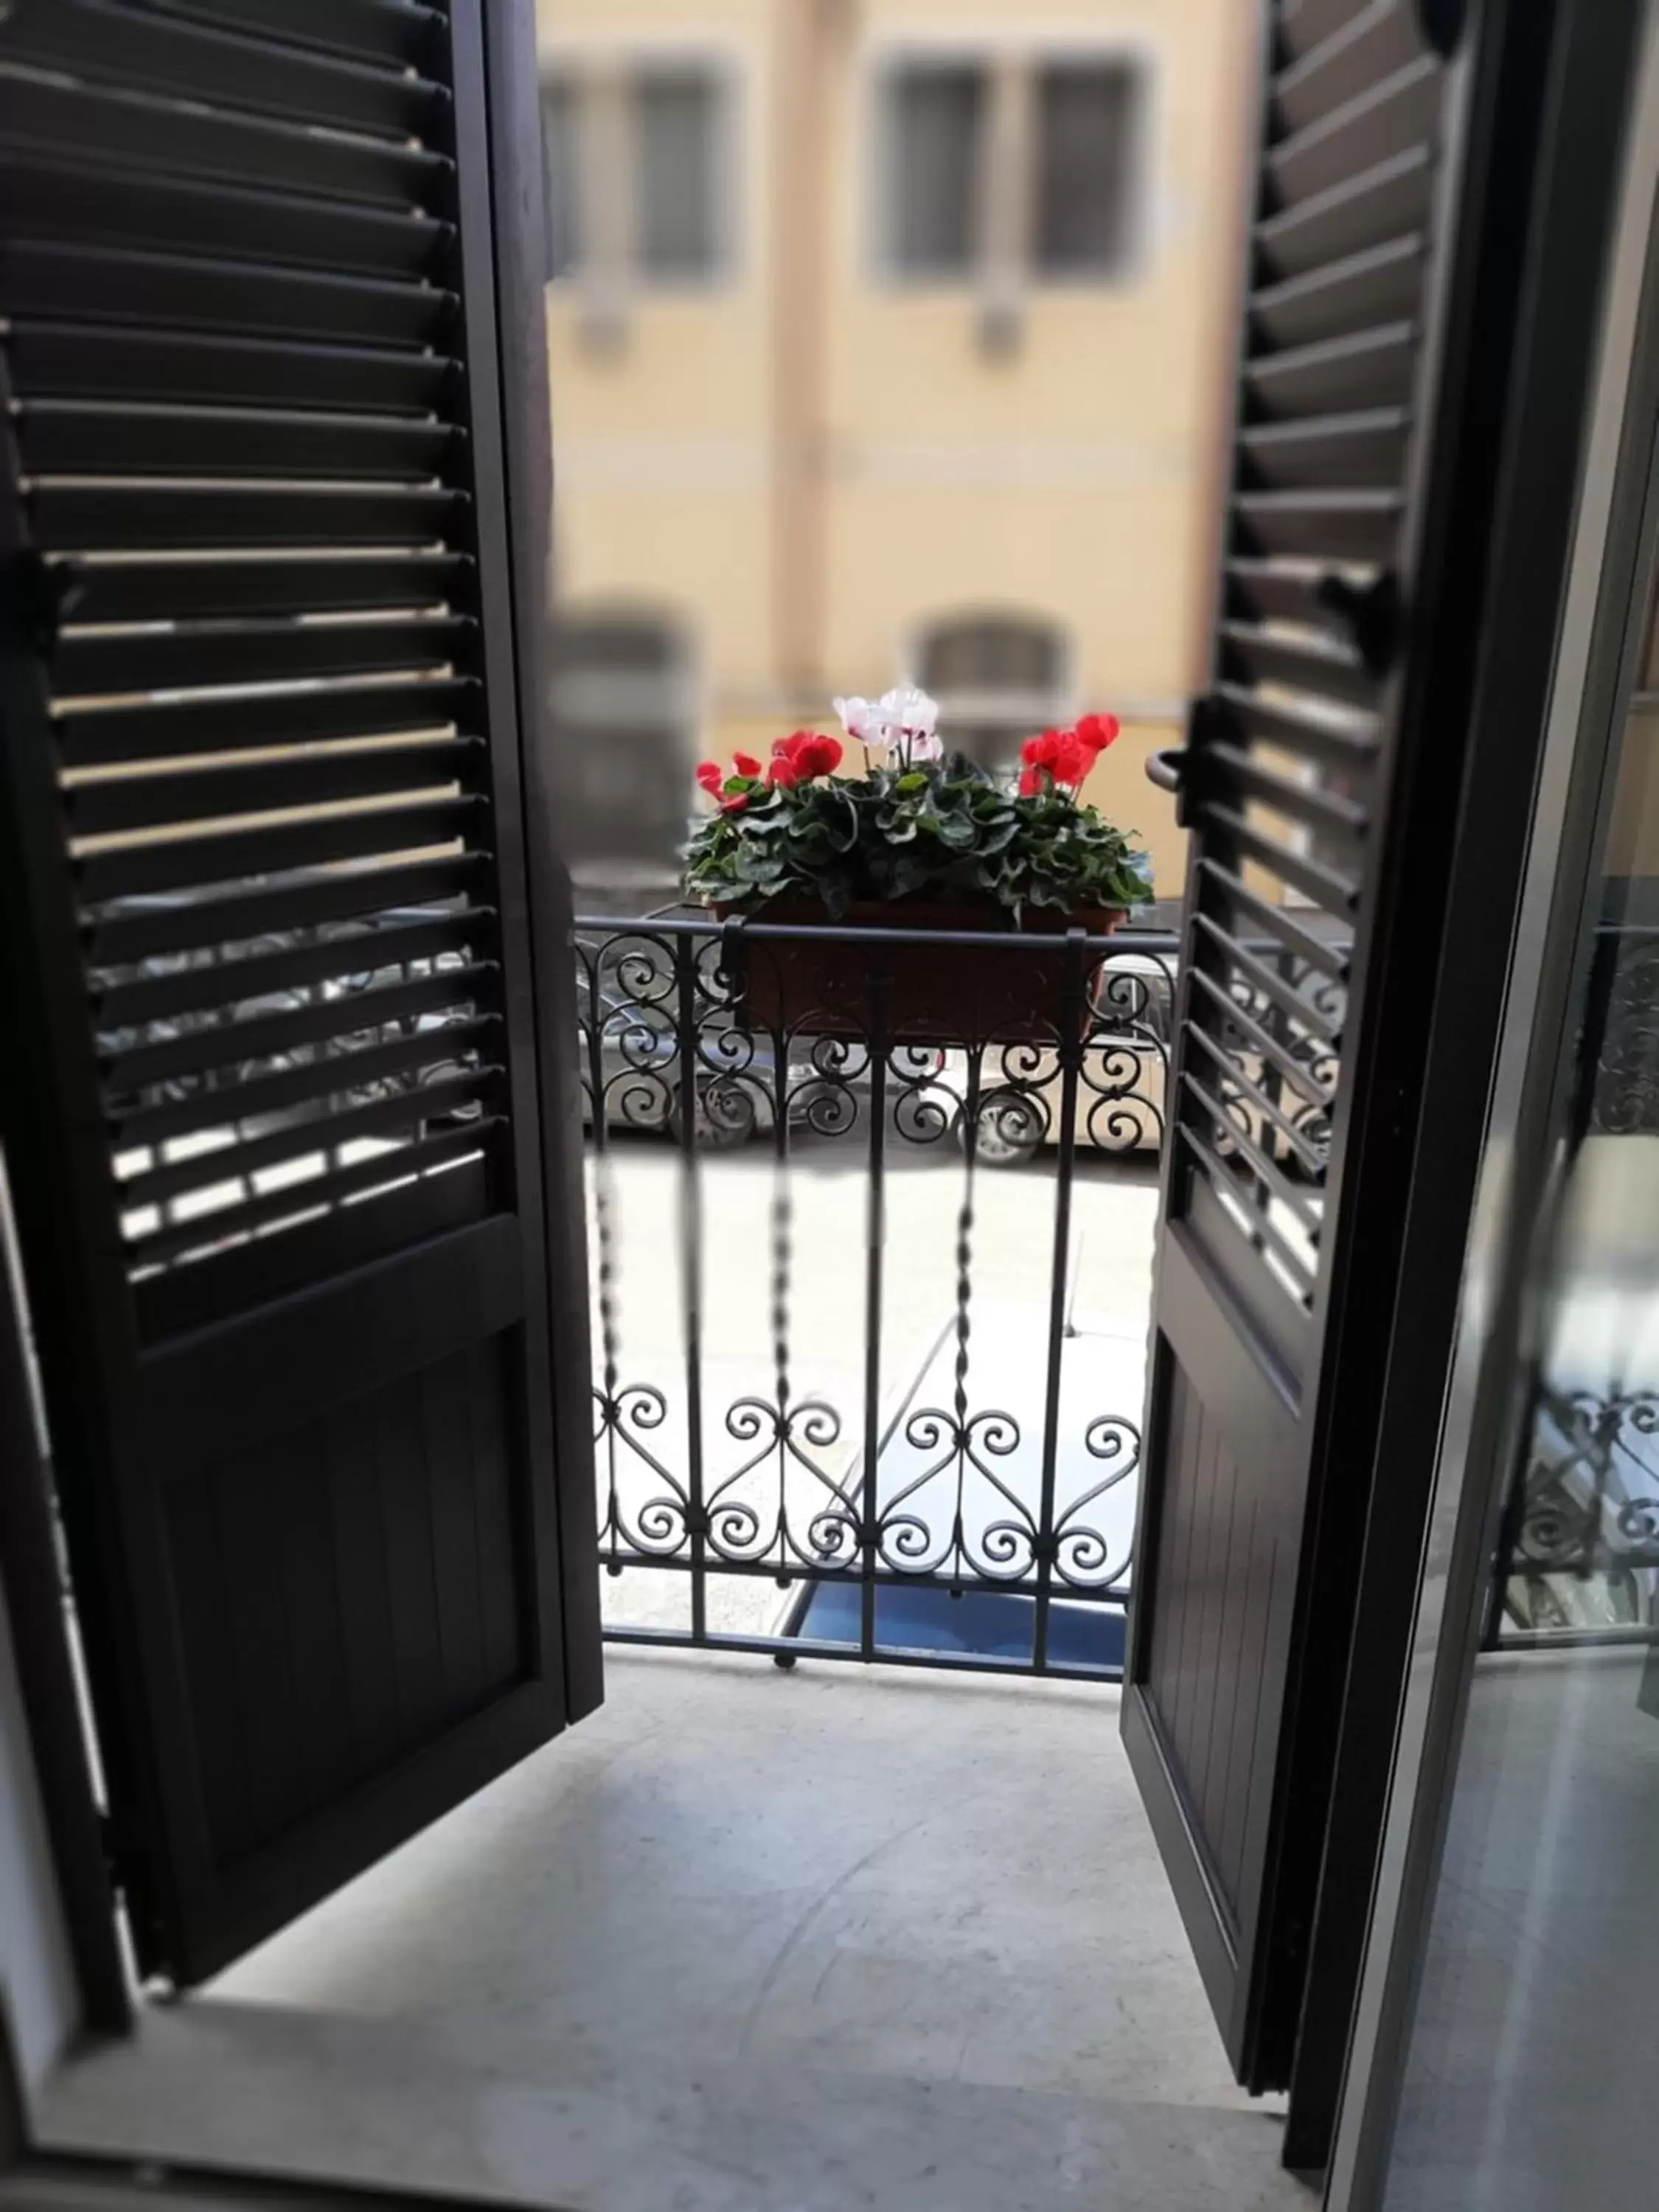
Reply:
x=1009, y=1129
x=715, y=1132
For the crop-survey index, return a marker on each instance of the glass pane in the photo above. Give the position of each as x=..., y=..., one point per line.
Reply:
x=561, y=154
x=937, y=122
x=677, y=121
x=1085, y=137
x=1527, y=2085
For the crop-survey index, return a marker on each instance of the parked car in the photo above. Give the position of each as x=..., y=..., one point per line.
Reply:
x=1121, y=1082
x=1121, y=1101
x=827, y=1086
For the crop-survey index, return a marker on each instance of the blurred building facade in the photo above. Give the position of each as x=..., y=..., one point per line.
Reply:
x=889, y=339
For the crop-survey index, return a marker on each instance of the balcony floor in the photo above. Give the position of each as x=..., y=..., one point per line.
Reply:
x=746, y=1941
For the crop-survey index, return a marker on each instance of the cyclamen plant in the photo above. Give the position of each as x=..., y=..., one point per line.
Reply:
x=917, y=823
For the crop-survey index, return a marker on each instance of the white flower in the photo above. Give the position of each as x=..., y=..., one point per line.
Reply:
x=862, y=720
x=910, y=720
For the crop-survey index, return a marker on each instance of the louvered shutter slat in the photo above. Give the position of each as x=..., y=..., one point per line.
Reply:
x=66, y=360
x=1308, y=661
x=50, y=279
x=84, y=436
x=130, y=207
x=182, y=865
x=1358, y=525
x=1367, y=447
x=159, y=589
x=1369, y=369
x=1381, y=285
x=313, y=1080
x=160, y=660
x=99, y=122
x=259, y=975
x=118, y=937
x=99, y=736
x=399, y=33
x=129, y=803
x=112, y=40
x=139, y=514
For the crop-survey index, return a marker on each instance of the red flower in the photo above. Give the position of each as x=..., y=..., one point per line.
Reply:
x=1096, y=731
x=1072, y=759
x=713, y=781
x=746, y=765
x=1062, y=756
x=798, y=758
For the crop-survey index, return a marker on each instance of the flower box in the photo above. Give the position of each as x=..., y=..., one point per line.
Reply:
x=930, y=993
x=923, y=841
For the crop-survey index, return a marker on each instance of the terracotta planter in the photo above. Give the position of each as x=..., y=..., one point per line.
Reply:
x=931, y=993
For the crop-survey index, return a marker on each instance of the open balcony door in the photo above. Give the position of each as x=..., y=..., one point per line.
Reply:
x=289, y=1095
x=1388, y=254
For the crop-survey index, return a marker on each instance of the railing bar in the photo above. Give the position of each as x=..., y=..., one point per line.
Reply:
x=690, y=1226
x=1065, y=1593
x=888, y=1655
x=874, y=1289
x=782, y=1264
x=1072, y=1015
x=1003, y=940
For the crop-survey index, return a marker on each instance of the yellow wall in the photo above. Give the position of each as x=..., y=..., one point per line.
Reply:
x=1075, y=477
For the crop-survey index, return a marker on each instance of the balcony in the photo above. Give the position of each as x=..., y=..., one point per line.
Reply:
x=869, y=1317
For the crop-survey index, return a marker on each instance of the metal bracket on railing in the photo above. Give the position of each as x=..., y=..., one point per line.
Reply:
x=732, y=967
x=1073, y=999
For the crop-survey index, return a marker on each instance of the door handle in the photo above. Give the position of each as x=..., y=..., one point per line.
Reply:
x=1171, y=770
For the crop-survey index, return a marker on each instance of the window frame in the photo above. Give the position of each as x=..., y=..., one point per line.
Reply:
x=989, y=709
x=578, y=63
x=887, y=59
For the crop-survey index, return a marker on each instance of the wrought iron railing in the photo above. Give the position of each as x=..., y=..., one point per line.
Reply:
x=965, y=1497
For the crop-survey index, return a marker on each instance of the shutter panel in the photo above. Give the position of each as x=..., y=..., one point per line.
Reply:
x=1317, y=784
x=264, y=801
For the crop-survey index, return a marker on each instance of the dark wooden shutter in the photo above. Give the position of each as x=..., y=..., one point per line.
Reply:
x=1319, y=782
x=272, y=1092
